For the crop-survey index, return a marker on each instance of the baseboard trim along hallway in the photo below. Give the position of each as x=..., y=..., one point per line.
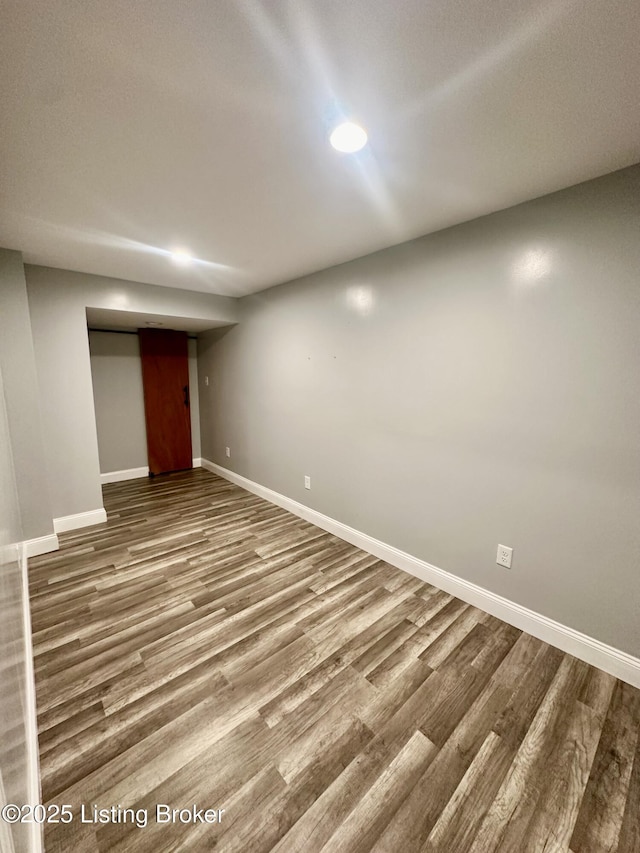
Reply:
x=614, y=661
x=80, y=519
x=126, y=474
x=134, y=473
x=41, y=545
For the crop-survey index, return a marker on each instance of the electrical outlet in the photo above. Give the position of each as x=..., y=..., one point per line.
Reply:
x=206, y=380
x=504, y=556
x=307, y=482
x=227, y=451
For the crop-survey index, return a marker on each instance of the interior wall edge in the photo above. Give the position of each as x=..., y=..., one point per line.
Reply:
x=620, y=664
x=33, y=753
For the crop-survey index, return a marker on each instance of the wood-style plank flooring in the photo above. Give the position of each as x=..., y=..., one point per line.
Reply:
x=206, y=647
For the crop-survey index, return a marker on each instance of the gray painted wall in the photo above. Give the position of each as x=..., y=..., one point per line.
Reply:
x=474, y=387
x=18, y=365
x=119, y=402
x=118, y=397
x=10, y=519
x=58, y=300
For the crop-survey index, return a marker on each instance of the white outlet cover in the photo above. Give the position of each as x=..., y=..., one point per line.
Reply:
x=307, y=482
x=227, y=450
x=504, y=555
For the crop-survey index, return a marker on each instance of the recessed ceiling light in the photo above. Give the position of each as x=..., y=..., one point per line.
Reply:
x=181, y=257
x=348, y=137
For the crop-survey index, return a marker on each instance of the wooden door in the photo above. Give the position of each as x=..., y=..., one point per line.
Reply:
x=165, y=379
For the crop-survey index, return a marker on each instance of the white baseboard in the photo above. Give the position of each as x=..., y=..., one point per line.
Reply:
x=41, y=545
x=126, y=474
x=592, y=651
x=135, y=473
x=80, y=519
x=30, y=713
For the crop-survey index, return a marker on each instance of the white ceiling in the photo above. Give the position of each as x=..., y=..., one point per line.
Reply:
x=132, y=127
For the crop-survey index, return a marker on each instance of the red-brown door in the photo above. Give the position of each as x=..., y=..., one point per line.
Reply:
x=165, y=379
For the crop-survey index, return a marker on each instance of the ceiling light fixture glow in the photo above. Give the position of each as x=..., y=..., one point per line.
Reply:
x=348, y=137
x=181, y=257
x=533, y=264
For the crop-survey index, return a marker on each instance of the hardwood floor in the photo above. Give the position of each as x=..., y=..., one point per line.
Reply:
x=205, y=647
